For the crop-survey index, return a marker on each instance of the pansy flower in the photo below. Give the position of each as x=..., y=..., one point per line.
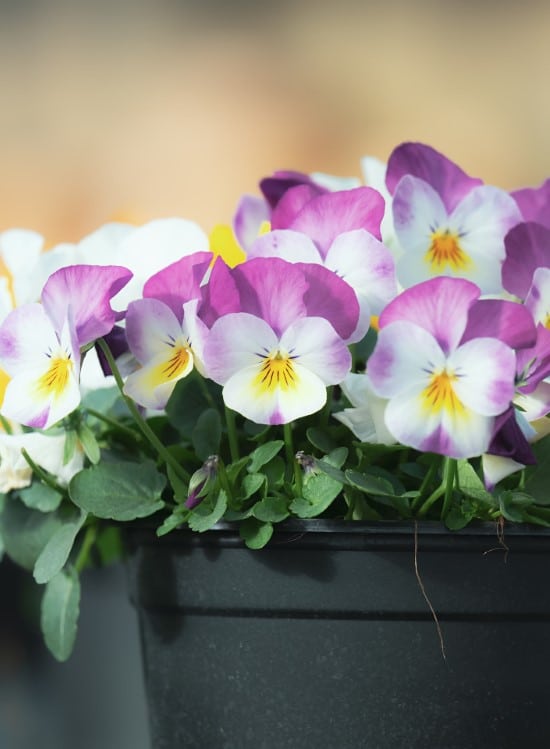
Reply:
x=446, y=377
x=277, y=354
x=163, y=331
x=446, y=222
x=40, y=344
x=354, y=254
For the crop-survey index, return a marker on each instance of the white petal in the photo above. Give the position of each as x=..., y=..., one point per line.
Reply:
x=276, y=406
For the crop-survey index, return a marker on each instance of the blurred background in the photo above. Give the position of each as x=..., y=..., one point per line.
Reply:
x=147, y=108
x=135, y=109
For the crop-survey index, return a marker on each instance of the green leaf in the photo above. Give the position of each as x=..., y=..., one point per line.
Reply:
x=274, y=471
x=470, y=483
x=370, y=484
x=39, y=496
x=381, y=490
x=513, y=505
x=252, y=483
x=263, y=454
x=69, y=447
x=89, y=443
x=179, y=487
x=538, y=476
x=458, y=517
x=337, y=457
x=172, y=522
x=59, y=613
x=331, y=470
x=271, y=510
x=254, y=533
x=54, y=555
x=202, y=518
x=119, y=491
x=189, y=400
x=319, y=491
x=26, y=532
x=321, y=440
x=207, y=434
x=109, y=544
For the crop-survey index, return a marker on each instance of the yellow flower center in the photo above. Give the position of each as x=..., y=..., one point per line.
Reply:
x=445, y=251
x=440, y=394
x=177, y=363
x=276, y=371
x=55, y=380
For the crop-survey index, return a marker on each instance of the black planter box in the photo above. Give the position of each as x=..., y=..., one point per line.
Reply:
x=324, y=639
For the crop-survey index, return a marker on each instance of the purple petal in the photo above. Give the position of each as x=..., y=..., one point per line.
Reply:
x=325, y=217
x=290, y=205
x=440, y=306
x=87, y=290
x=250, y=215
x=220, y=295
x=533, y=364
x=527, y=248
x=424, y=162
x=331, y=297
x=275, y=187
x=510, y=322
x=118, y=345
x=509, y=441
x=534, y=203
x=272, y=289
x=179, y=282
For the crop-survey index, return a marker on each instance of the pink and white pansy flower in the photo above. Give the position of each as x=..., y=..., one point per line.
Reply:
x=40, y=344
x=446, y=222
x=163, y=331
x=446, y=374
x=339, y=230
x=277, y=354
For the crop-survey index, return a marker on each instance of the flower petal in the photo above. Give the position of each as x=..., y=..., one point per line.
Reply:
x=424, y=162
x=527, y=248
x=315, y=346
x=236, y=341
x=292, y=246
x=367, y=266
x=151, y=329
x=87, y=290
x=326, y=216
x=482, y=221
x=272, y=289
x=440, y=306
x=179, y=282
x=277, y=405
x=456, y=434
x=534, y=203
x=510, y=322
x=405, y=355
x=331, y=297
x=485, y=369
x=45, y=369
x=251, y=213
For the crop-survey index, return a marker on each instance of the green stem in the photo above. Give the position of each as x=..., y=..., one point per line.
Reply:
x=146, y=430
x=88, y=542
x=325, y=412
x=41, y=473
x=291, y=461
x=232, y=434
x=116, y=425
x=224, y=481
x=428, y=478
x=449, y=478
x=6, y=425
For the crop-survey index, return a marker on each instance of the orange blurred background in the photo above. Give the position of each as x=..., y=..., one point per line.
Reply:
x=145, y=108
